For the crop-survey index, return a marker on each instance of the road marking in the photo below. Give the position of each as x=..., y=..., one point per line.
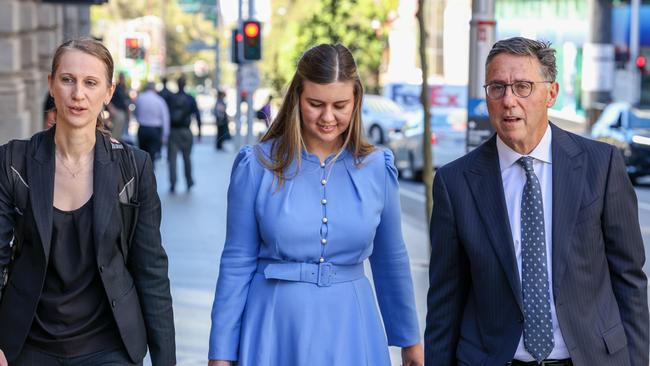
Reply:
x=417, y=196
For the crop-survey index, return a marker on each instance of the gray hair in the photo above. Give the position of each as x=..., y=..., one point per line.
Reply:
x=541, y=50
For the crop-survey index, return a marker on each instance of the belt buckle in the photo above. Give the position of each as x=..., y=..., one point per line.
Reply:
x=324, y=274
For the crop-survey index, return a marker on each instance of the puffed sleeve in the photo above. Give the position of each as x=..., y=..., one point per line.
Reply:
x=239, y=257
x=391, y=270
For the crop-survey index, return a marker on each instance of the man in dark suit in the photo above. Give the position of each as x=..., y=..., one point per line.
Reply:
x=537, y=254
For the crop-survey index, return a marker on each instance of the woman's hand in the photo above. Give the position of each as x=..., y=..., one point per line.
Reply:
x=3, y=359
x=413, y=355
x=211, y=363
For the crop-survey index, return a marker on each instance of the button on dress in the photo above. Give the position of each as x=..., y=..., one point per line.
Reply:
x=336, y=214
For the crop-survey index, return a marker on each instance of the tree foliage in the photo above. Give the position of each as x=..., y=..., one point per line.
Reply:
x=181, y=27
x=361, y=25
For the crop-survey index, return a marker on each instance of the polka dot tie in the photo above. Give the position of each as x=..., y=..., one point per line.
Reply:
x=538, y=327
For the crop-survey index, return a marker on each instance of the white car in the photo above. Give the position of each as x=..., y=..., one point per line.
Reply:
x=448, y=141
x=381, y=117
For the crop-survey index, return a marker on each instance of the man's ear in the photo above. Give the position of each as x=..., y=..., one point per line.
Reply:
x=553, y=92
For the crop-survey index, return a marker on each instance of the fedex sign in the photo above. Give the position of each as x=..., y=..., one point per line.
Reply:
x=440, y=96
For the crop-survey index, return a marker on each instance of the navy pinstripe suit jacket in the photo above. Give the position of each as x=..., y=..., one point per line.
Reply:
x=475, y=311
x=138, y=290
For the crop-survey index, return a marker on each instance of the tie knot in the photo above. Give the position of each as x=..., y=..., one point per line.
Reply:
x=526, y=162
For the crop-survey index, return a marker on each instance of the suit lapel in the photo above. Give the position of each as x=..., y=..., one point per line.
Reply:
x=39, y=165
x=484, y=178
x=567, y=175
x=104, y=187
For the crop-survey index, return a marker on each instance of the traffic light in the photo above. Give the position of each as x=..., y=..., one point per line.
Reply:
x=236, y=41
x=641, y=63
x=252, y=40
x=133, y=48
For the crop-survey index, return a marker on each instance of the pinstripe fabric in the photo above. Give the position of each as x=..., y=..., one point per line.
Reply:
x=474, y=302
x=138, y=291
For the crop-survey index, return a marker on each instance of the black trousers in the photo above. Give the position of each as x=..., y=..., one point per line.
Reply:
x=30, y=356
x=180, y=139
x=150, y=140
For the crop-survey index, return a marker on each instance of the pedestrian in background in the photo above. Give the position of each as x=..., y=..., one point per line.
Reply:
x=264, y=113
x=72, y=297
x=221, y=118
x=306, y=207
x=152, y=115
x=119, y=108
x=536, y=251
x=165, y=93
x=182, y=107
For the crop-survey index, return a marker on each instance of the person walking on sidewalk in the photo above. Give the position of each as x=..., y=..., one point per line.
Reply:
x=181, y=109
x=152, y=115
x=306, y=208
x=221, y=118
x=119, y=108
x=536, y=250
x=72, y=295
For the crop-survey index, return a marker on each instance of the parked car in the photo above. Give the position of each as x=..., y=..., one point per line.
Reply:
x=448, y=140
x=381, y=116
x=628, y=128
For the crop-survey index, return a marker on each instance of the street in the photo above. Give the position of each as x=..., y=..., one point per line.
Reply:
x=193, y=232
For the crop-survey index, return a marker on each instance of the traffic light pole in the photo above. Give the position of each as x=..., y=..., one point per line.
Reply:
x=598, y=60
x=238, y=83
x=249, y=95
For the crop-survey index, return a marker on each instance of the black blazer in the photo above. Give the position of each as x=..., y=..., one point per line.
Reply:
x=138, y=291
x=475, y=311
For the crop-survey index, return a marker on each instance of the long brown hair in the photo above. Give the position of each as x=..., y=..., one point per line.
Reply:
x=91, y=47
x=322, y=64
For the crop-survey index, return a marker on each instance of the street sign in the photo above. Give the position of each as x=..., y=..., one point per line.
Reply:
x=197, y=45
x=249, y=77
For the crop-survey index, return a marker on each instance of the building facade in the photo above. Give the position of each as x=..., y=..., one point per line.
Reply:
x=30, y=30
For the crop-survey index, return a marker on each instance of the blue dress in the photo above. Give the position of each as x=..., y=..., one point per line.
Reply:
x=275, y=304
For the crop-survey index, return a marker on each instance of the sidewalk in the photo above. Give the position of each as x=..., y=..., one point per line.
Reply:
x=193, y=234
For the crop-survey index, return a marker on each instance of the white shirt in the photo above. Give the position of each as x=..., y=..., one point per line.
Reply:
x=514, y=179
x=152, y=111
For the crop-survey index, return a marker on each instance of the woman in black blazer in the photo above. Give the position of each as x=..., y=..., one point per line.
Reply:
x=73, y=295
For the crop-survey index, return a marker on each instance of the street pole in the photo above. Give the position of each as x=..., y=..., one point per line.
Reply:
x=598, y=60
x=217, y=48
x=238, y=82
x=482, y=37
x=249, y=95
x=634, y=52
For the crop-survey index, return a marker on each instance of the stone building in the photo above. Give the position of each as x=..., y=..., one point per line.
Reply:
x=30, y=30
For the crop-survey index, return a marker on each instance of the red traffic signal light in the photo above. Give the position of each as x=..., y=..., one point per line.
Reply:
x=133, y=48
x=252, y=42
x=641, y=63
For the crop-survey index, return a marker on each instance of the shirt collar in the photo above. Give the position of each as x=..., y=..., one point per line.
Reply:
x=542, y=152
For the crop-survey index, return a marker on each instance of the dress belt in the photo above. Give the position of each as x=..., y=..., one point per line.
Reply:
x=322, y=274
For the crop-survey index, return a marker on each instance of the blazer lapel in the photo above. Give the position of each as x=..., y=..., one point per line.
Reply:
x=567, y=175
x=39, y=164
x=104, y=186
x=484, y=178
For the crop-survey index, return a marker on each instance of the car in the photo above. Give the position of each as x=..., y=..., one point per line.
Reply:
x=381, y=117
x=628, y=128
x=448, y=140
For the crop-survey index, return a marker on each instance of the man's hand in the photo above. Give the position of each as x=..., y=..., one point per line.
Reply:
x=3, y=359
x=213, y=363
x=413, y=355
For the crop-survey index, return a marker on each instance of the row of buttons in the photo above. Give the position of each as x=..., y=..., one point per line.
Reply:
x=323, y=201
x=113, y=302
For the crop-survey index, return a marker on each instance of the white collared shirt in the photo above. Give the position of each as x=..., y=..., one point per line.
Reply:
x=514, y=179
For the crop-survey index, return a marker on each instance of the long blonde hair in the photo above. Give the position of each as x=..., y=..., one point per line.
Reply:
x=322, y=64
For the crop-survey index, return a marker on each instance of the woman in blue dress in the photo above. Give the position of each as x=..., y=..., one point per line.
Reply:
x=306, y=207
